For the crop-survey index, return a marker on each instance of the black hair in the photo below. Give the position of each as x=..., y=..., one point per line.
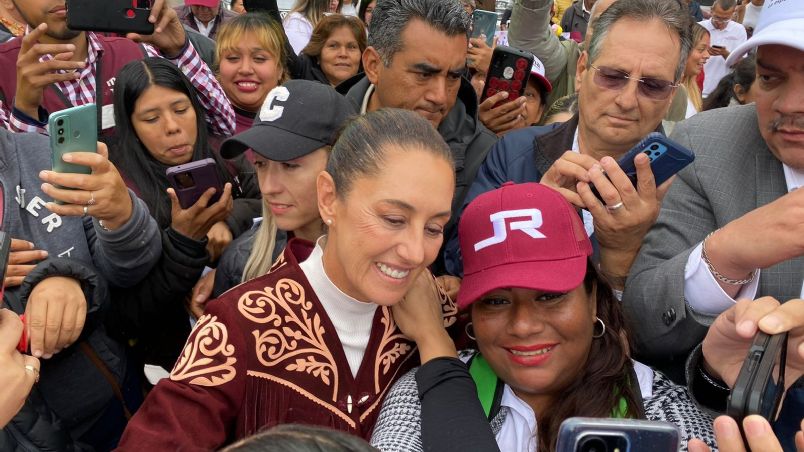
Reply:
x=364, y=141
x=744, y=73
x=301, y=438
x=130, y=156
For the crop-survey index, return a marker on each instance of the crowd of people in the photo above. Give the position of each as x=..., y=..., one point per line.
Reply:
x=393, y=260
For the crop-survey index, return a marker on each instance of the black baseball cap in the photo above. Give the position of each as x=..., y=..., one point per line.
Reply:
x=296, y=118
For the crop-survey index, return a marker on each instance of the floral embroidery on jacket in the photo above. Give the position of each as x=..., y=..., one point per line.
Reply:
x=206, y=359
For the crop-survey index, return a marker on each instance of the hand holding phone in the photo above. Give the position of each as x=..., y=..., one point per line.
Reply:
x=199, y=187
x=74, y=129
x=761, y=381
x=509, y=71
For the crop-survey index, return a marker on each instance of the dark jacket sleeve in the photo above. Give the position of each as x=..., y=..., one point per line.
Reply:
x=93, y=286
x=452, y=417
x=37, y=427
x=153, y=311
x=248, y=202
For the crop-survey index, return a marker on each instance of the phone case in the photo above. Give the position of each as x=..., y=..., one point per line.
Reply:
x=756, y=391
x=116, y=16
x=192, y=179
x=73, y=130
x=587, y=434
x=509, y=71
x=484, y=23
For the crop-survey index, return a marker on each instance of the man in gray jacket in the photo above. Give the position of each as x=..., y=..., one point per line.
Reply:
x=63, y=256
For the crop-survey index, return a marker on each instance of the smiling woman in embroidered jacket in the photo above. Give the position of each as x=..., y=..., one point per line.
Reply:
x=314, y=341
x=550, y=336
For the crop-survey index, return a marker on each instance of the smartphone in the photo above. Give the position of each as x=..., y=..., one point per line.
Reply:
x=760, y=383
x=718, y=47
x=666, y=159
x=115, y=16
x=484, y=23
x=509, y=71
x=73, y=130
x=581, y=434
x=192, y=179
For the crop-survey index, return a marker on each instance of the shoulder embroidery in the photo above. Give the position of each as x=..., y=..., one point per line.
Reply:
x=207, y=358
x=448, y=308
x=386, y=356
x=296, y=339
x=278, y=263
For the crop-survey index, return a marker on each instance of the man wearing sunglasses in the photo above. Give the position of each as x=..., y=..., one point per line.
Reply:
x=732, y=227
x=725, y=35
x=626, y=81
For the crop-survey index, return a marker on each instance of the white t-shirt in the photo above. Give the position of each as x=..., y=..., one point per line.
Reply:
x=751, y=15
x=730, y=37
x=299, y=31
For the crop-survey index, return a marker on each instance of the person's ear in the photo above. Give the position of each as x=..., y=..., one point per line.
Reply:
x=739, y=93
x=580, y=69
x=327, y=197
x=372, y=64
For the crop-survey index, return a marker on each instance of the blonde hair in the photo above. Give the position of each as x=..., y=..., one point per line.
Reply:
x=261, y=257
x=690, y=83
x=312, y=10
x=269, y=34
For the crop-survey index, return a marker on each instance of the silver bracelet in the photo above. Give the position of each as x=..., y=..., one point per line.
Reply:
x=103, y=226
x=716, y=274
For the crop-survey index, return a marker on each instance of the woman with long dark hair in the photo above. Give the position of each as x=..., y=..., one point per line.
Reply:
x=551, y=337
x=160, y=124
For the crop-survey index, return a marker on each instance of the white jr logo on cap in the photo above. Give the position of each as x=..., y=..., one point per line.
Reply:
x=529, y=227
x=269, y=111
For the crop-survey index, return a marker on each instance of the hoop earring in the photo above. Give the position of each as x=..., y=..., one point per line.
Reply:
x=470, y=326
x=602, y=328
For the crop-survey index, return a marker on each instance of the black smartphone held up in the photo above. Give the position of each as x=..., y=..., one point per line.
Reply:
x=581, y=434
x=115, y=16
x=760, y=383
x=192, y=179
x=509, y=71
x=666, y=159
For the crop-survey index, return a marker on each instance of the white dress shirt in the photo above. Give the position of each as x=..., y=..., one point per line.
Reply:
x=701, y=289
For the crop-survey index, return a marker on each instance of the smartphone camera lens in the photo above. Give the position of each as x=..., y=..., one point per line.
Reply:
x=60, y=122
x=593, y=444
x=61, y=131
x=654, y=147
x=61, y=140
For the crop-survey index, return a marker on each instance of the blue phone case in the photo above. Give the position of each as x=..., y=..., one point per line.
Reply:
x=666, y=157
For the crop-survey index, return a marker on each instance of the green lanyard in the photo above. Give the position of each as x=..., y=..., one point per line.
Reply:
x=489, y=393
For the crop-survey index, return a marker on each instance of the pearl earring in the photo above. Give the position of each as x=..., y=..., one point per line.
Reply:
x=329, y=222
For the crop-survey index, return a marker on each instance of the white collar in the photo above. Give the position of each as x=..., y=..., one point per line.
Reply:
x=793, y=177
x=366, y=99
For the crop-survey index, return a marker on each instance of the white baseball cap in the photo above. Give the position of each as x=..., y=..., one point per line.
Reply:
x=780, y=22
x=537, y=70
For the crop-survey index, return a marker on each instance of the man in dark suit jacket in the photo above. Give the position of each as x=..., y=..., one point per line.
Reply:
x=732, y=226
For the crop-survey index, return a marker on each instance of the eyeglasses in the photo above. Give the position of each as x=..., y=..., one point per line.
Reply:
x=652, y=88
x=721, y=20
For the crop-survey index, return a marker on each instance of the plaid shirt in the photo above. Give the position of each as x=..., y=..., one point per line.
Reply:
x=220, y=115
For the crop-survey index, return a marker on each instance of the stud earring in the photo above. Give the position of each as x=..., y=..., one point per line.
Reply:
x=329, y=222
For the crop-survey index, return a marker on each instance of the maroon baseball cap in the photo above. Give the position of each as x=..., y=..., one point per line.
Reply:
x=208, y=3
x=521, y=235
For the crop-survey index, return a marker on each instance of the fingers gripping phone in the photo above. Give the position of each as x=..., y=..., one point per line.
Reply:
x=666, y=159
x=509, y=71
x=116, y=16
x=192, y=179
x=760, y=383
x=579, y=434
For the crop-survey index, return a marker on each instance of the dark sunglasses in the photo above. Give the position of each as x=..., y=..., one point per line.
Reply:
x=651, y=88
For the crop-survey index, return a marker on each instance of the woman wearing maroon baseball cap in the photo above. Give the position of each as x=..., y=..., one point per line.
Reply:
x=551, y=339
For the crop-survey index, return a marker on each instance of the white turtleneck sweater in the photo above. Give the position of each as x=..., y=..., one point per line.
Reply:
x=352, y=318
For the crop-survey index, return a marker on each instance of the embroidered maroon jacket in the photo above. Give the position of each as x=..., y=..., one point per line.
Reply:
x=264, y=354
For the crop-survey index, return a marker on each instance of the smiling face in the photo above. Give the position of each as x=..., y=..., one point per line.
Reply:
x=248, y=72
x=698, y=56
x=424, y=76
x=613, y=120
x=51, y=12
x=204, y=14
x=779, y=96
x=288, y=189
x=165, y=123
x=536, y=342
x=388, y=227
x=340, y=56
